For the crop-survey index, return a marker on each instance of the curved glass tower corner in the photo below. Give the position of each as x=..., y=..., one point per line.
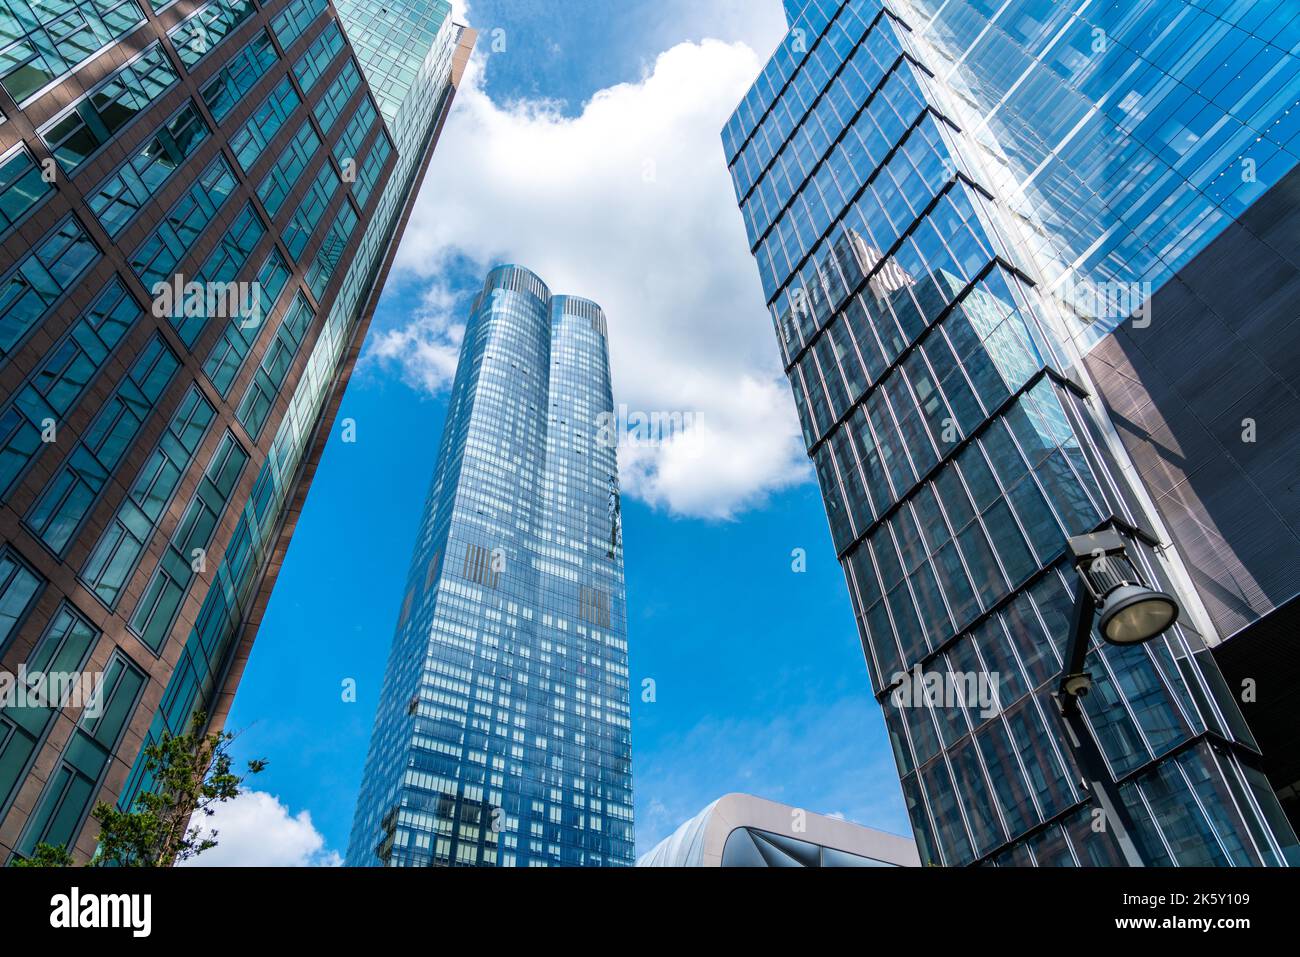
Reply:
x=503, y=734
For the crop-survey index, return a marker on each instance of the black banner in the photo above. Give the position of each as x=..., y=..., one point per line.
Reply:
x=210, y=907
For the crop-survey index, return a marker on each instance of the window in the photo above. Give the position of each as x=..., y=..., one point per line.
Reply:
x=290, y=22
x=40, y=279
x=312, y=64
x=67, y=498
x=479, y=566
x=283, y=176
x=156, y=611
x=331, y=251
x=126, y=190
x=369, y=173
x=330, y=105
x=228, y=354
x=157, y=608
x=349, y=145
x=61, y=377
x=594, y=606
x=21, y=188
x=240, y=75
x=156, y=259
x=252, y=138
x=63, y=649
x=50, y=39
x=113, y=560
x=18, y=588
x=309, y=212
x=270, y=375
x=200, y=33
x=233, y=249
x=101, y=113
x=256, y=406
x=66, y=800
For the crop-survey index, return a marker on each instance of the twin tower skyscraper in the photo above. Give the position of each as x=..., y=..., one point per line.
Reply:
x=504, y=728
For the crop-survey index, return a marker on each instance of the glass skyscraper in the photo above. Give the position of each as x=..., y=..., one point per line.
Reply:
x=952, y=203
x=199, y=204
x=503, y=735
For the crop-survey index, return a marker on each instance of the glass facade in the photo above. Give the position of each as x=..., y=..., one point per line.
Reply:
x=503, y=732
x=151, y=456
x=393, y=40
x=950, y=202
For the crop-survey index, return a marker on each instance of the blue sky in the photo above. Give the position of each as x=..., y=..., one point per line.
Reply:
x=588, y=150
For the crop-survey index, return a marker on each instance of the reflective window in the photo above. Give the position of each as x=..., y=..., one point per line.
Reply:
x=22, y=188
x=61, y=378
x=40, y=279
x=296, y=16
x=68, y=496
x=186, y=553
x=18, y=587
x=100, y=114
x=200, y=33
x=62, y=649
x=312, y=65
x=126, y=191
x=267, y=120
x=65, y=802
x=43, y=40
x=113, y=559
x=240, y=75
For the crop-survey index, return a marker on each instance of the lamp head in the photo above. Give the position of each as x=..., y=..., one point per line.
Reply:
x=1134, y=614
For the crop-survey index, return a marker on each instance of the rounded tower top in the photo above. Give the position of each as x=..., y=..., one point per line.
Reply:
x=583, y=309
x=517, y=279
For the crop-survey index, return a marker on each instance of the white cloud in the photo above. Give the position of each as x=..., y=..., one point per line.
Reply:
x=256, y=830
x=759, y=24
x=427, y=348
x=629, y=204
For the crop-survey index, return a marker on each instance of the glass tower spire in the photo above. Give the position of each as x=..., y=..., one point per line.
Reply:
x=503, y=731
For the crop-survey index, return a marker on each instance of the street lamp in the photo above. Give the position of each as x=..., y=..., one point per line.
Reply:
x=1134, y=614
x=1131, y=613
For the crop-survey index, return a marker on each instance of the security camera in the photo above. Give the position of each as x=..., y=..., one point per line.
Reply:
x=1078, y=686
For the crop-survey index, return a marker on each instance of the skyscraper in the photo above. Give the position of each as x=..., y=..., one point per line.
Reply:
x=503, y=732
x=954, y=206
x=200, y=203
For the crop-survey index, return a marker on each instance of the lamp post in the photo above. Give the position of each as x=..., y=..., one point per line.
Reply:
x=1131, y=613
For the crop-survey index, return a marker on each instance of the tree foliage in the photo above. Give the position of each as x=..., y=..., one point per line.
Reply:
x=47, y=855
x=191, y=773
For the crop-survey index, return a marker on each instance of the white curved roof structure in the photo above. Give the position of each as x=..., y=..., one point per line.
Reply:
x=740, y=830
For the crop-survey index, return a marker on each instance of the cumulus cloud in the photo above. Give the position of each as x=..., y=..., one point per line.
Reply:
x=628, y=203
x=427, y=348
x=760, y=24
x=256, y=830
